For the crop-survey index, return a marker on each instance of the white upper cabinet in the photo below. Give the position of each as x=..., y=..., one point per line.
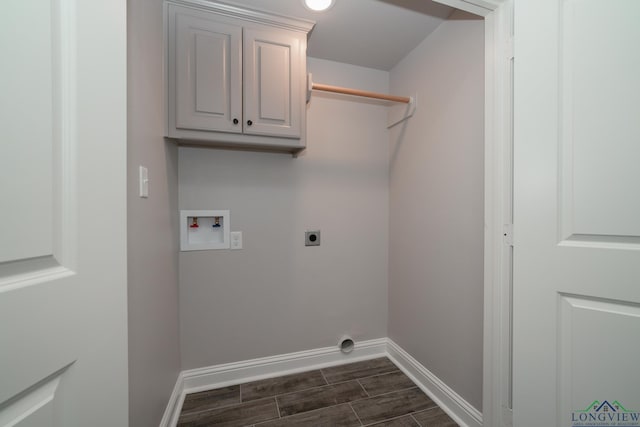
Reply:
x=235, y=77
x=272, y=89
x=208, y=73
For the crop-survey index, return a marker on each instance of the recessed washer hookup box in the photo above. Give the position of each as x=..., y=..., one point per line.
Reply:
x=202, y=230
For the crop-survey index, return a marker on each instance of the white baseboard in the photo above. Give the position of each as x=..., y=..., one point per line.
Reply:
x=217, y=376
x=451, y=402
x=174, y=407
x=274, y=366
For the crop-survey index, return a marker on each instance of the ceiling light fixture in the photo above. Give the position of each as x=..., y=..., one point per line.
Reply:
x=318, y=5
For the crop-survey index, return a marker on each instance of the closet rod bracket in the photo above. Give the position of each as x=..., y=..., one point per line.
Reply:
x=408, y=112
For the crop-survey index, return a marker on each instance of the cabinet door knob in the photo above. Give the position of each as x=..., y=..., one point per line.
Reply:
x=249, y=122
x=235, y=121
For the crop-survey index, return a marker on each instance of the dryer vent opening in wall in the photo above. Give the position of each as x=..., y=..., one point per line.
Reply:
x=346, y=345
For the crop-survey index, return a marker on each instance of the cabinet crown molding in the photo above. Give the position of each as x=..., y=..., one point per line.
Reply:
x=253, y=15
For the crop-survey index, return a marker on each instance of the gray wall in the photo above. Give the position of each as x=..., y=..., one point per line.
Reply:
x=436, y=207
x=154, y=348
x=276, y=295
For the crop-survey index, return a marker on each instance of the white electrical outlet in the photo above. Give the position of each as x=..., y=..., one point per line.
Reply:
x=236, y=240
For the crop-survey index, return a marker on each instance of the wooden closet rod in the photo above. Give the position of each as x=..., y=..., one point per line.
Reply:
x=364, y=93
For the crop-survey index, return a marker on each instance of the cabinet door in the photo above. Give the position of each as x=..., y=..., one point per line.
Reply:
x=273, y=79
x=207, y=67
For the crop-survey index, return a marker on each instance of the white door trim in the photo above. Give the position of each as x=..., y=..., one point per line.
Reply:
x=498, y=208
x=477, y=7
x=498, y=16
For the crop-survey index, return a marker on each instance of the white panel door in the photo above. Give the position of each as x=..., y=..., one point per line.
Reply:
x=205, y=73
x=273, y=77
x=63, y=336
x=577, y=213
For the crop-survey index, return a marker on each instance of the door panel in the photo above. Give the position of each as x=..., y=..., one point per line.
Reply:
x=26, y=207
x=34, y=295
x=589, y=328
x=599, y=122
x=208, y=72
x=576, y=210
x=273, y=67
x=63, y=234
x=34, y=408
x=274, y=83
x=207, y=51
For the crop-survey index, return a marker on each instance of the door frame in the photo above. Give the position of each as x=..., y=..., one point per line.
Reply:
x=498, y=166
x=497, y=354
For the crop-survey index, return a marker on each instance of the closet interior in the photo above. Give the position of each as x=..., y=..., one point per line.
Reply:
x=223, y=94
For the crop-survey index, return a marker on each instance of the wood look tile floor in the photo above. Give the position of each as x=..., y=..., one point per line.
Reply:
x=370, y=393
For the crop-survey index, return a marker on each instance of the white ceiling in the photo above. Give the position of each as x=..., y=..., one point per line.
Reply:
x=369, y=33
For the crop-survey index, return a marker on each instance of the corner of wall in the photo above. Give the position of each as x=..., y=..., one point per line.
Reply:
x=154, y=356
x=437, y=208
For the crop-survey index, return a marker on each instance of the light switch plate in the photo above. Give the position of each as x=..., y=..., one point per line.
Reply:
x=144, y=182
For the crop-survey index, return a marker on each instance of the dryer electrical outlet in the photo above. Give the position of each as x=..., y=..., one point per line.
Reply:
x=312, y=238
